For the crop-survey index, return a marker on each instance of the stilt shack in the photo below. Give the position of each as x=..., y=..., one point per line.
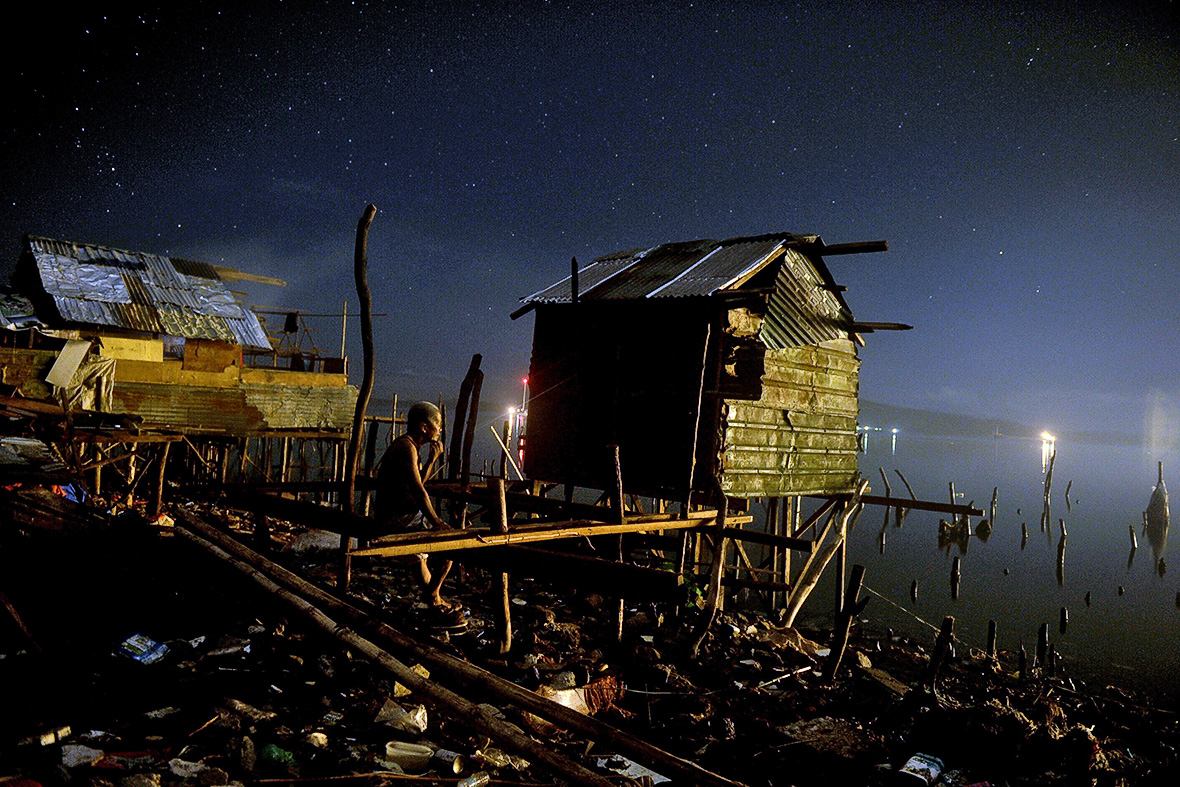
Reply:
x=717, y=367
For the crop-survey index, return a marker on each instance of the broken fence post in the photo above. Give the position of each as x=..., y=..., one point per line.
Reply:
x=942, y=647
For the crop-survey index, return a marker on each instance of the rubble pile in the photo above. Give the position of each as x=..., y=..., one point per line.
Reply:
x=184, y=675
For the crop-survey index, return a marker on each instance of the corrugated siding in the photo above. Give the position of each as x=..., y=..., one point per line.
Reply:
x=800, y=437
x=303, y=407
x=237, y=411
x=801, y=312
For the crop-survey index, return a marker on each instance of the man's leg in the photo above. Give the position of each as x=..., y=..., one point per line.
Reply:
x=434, y=584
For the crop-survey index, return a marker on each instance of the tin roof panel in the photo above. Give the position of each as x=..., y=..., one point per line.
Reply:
x=142, y=292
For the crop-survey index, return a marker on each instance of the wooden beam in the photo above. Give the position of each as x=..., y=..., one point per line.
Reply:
x=869, y=327
x=535, y=504
x=755, y=584
x=230, y=274
x=770, y=539
x=452, y=540
x=921, y=505
x=857, y=247
x=309, y=514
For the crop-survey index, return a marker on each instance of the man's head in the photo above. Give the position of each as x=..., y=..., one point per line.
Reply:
x=424, y=420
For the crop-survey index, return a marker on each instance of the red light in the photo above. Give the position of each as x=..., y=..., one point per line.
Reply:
x=525, y=380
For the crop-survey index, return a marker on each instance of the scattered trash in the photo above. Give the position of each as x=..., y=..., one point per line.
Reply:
x=629, y=768
x=410, y=757
x=142, y=648
x=922, y=768
x=75, y=755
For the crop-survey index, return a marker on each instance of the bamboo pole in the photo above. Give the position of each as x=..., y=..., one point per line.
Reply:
x=466, y=712
x=444, y=665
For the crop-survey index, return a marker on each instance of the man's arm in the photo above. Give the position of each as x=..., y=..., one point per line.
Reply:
x=407, y=464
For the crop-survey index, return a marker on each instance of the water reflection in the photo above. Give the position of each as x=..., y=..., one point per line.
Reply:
x=1061, y=561
x=1155, y=520
x=1113, y=631
x=1048, y=448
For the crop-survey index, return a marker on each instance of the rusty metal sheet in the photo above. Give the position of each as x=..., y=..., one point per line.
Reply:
x=142, y=292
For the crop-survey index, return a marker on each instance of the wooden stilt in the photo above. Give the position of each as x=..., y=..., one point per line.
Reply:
x=158, y=495
x=844, y=620
x=713, y=596
x=504, y=608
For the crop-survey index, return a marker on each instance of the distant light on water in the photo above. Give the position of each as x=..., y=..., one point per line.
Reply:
x=1048, y=447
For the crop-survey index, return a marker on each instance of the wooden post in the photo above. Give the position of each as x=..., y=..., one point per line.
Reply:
x=775, y=551
x=261, y=531
x=469, y=431
x=1042, y=645
x=942, y=646
x=360, y=269
x=504, y=609
x=505, y=438
x=99, y=455
x=158, y=496
x=844, y=623
x=713, y=597
x=621, y=518
x=991, y=639
x=284, y=457
x=370, y=460
x=955, y=576
x=455, y=460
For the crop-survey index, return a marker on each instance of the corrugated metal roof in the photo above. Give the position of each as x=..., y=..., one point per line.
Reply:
x=650, y=272
x=672, y=270
x=728, y=262
x=598, y=271
x=142, y=292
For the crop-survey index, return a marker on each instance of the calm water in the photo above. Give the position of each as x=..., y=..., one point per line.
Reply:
x=1131, y=639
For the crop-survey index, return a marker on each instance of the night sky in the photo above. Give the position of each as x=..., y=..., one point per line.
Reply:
x=1021, y=159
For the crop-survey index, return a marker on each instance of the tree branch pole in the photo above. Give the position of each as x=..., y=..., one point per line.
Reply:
x=360, y=269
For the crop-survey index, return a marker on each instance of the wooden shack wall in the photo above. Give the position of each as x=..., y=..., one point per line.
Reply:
x=626, y=373
x=800, y=436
